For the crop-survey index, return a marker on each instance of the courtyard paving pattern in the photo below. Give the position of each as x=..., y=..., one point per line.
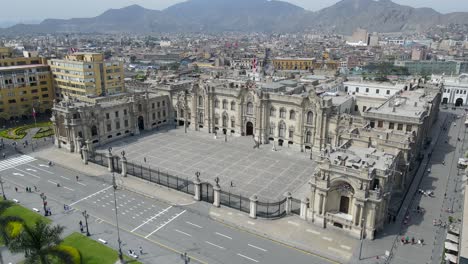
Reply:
x=265, y=172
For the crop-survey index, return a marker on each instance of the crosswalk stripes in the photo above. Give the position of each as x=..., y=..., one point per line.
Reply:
x=15, y=161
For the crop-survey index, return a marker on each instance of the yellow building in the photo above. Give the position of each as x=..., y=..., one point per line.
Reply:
x=24, y=87
x=8, y=59
x=86, y=74
x=293, y=63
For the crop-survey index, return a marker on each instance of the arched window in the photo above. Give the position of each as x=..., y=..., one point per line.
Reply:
x=308, y=137
x=200, y=100
x=272, y=112
x=310, y=117
x=282, y=113
x=94, y=131
x=292, y=115
x=250, y=108
x=225, y=120
x=216, y=103
x=282, y=130
x=225, y=104
x=272, y=129
x=233, y=105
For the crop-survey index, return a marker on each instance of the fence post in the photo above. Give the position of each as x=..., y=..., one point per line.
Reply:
x=288, y=202
x=109, y=162
x=304, y=208
x=253, y=207
x=216, y=198
x=124, y=166
x=84, y=151
x=196, y=186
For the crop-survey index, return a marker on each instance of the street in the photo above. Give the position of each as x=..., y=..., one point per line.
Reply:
x=169, y=229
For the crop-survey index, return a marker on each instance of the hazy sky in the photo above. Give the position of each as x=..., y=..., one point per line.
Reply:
x=27, y=10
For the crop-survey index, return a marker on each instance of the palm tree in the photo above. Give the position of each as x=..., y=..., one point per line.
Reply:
x=7, y=226
x=40, y=244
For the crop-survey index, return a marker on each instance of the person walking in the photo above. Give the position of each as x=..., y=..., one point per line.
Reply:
x=16, y=189
x=141, y=250
x=77, y=177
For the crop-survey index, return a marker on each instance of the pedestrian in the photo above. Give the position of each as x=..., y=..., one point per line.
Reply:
x=144, y=159
x=412, y=241
x=81, y=229
x=35, y=188
x=232, y=185
x=64, y=207
x=77, y=177
x=16, y=189
x=422, y=241
x=4, y=155
x=81, y=223
x=141, y=250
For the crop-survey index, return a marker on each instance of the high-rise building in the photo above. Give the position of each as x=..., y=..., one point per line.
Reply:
x=25, y=83
x=418, y=53
x=86, y=75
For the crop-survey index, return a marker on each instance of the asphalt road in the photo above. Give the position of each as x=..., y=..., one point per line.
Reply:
x=167, y=228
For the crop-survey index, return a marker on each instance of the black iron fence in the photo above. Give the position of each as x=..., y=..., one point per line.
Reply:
x=269, y=210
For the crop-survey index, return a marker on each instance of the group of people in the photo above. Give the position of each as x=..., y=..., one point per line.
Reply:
x=407, y=240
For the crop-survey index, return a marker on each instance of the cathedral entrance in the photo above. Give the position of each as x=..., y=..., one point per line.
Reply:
x=459, y=102
x=141, y=123
x=344, y=204
x=249, y=129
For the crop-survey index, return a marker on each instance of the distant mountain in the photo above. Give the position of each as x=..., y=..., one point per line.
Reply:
x=251, y=15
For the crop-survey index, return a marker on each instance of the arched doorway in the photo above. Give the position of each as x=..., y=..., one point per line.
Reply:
x=141, y=123
x=344, y=204
x=249, y=129
x=444, y=100
x=459, y=102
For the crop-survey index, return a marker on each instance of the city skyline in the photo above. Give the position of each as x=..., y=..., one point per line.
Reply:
x=39, y=11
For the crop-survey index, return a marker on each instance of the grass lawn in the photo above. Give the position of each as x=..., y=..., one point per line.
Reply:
x=27, y=215
x=93, y=252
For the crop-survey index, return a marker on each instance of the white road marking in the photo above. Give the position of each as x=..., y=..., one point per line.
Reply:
x=42, y=165
x=327, y=238
x=259, y=248
x=193, y=224
x=33, y=170
x=170, y=220
x=68, y=188
x=18, y=174
x=215, y=214
x=313, y=231
x=214, y=245
x=15, y=161
x=52, y=182
x=293, y=223
x=177, y=230
x=345, y=247
x=81, y=183
x=64, y=178
x=91, y=195
x=223, y=235
x=156, y=215
x=28, y=173
x=244, y=256
x=40, y=169
x=250, y=223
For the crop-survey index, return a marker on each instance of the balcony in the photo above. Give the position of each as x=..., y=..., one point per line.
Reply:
x=345, y=220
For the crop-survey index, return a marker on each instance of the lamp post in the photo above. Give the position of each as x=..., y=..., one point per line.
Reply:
x=3, y=191
x=44, y=203
x=86, y=216
x=186, y=110
x=185, y=258
x=114, y=184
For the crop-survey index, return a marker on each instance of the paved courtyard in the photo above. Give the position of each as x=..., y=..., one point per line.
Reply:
x=264, y=172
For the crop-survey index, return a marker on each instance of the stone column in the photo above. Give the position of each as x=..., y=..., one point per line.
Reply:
x=320, y=204
x=124, y=167
x=357, y=208
x=109, y=162
x=89, y=146
x=216, y=200
x=324, y=204
x=304, y=208
x=253, y=207
x=288, y=203
x=84, y=151
x=197, y=185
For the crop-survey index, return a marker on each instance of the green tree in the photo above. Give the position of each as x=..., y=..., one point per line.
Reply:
x=40, y=244
x=10, y=226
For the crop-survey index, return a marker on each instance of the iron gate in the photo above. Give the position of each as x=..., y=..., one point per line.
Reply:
x=206, y=192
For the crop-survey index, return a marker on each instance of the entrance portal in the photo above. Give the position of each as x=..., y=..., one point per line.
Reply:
x=207, y=193
x=344, y=204
x=249, y=129
x=444, y=100
x=459, y=102
x=141, y=123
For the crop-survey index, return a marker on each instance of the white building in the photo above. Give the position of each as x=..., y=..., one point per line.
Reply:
x=455, y=89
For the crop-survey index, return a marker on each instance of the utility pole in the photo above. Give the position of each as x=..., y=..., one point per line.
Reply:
x=86, y=216
x=3, y=191
x=114, y=185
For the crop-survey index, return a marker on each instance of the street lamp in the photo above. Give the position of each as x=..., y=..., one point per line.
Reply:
x=44, y=203
x=185, y=258
x=3, y=191
x=86, y=216
x=114, y=184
